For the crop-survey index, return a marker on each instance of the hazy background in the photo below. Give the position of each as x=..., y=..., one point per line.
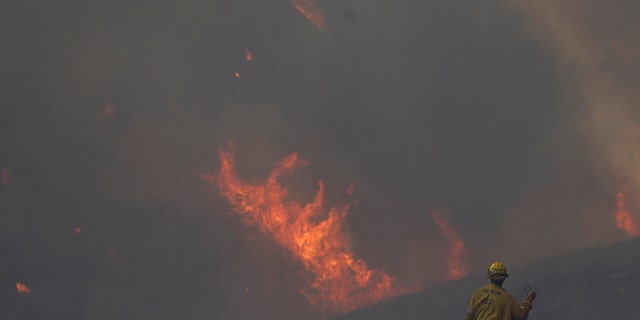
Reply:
x=520, y=118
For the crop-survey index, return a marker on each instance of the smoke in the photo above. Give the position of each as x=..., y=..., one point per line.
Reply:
x=518, y=118
x=597, y=59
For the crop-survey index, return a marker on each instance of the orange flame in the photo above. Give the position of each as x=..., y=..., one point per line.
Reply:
x=338, y=282
x=457, y=269
x=22, y=288
x=310, y=10
x=623, y=217
x=247, y=55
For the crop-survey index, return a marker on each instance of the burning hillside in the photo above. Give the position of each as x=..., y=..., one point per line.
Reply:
x=313, y=233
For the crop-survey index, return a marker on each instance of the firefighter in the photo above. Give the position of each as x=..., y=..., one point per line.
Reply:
x=492, y=302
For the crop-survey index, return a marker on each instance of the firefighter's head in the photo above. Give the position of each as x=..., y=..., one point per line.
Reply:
x=497, y=271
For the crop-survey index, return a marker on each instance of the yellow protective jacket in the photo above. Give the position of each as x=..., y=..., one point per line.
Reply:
x=492, y=302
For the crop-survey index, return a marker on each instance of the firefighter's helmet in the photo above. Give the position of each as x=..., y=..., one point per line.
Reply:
x=497, y=271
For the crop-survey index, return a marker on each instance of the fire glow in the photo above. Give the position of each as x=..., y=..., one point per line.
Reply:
x=247, y=55
x=108, y=110
x=5, y=177
x=310, y=10
x=22, y=288
x=623, y=217
x=457, y=269
x=338, y=282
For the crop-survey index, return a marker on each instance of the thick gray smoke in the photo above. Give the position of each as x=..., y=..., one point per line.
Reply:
x=598, y=62
x=518, y=119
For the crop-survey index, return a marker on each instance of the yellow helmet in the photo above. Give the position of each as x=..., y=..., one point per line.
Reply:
x=497, y=271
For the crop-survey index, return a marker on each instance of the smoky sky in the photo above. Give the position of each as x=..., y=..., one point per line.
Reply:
x=495, y=113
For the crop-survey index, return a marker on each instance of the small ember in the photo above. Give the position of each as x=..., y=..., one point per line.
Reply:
x=247, y=55
x=23, y=288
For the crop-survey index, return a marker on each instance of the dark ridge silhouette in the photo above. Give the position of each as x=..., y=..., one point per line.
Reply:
x=590, y=284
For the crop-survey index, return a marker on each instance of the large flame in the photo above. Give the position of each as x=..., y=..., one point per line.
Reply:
x=310, y=10
x=457, y=268
x=338, y=282
x=623, y=217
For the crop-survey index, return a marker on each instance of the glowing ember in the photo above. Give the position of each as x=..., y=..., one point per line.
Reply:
x=237, y=75
x=77, y=230
x=338, y=282
x=623, y=218
x=247, y=55
x=457, y=270
x=22, y=288
x=5, y=177
x=108, y=110
x=311, y=11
